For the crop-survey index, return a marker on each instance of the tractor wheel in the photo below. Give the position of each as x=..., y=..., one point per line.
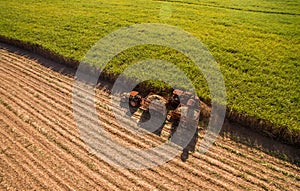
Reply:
x=133, y=103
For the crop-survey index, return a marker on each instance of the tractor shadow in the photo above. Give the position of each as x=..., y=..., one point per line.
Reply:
x=190, y=147
x=153, y=127
x=131, y=109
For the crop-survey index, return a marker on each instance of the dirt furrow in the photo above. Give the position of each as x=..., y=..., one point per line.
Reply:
x=53, y=100
x=55, y=155
x=75, y=152
x=160, y=174
x=250, y=166
x=229, y=164
x=61, y=105
x=220, y=169
x=36, y=106
x=257, y=156
x=24, y=158
x=218, y=157
x=253, y=165
x=248, y=172
x=68, y=106
x=14, y=174
x=20, y=103
x=65, y=87
x=237, y=171
x=39, y=68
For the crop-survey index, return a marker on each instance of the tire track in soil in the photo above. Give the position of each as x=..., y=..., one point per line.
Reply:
x=211, y=163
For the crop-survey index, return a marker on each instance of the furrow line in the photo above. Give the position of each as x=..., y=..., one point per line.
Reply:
x=16, y=172
x=34, y=108
x=13, y=98
x=56, y=152
x=28, y=163
x=253, y=154
x=40, y=69
x=254, y=165
x=235, y=170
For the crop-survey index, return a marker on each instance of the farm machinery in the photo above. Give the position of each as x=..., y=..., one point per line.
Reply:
x=153, y=107
x=181, y=103
x=134, y=98
x=186, y=112
x=184, y=115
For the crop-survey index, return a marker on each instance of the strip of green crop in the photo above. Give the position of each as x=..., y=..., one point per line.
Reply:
x=255, y=42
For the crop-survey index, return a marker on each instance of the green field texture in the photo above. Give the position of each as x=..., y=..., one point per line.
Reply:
x=255, y=42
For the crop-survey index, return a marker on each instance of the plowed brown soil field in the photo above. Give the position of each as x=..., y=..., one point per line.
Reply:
x=41, y=148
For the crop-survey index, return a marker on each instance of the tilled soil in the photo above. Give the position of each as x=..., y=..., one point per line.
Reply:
x=41, y=147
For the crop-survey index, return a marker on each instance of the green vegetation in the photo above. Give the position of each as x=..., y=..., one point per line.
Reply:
x=255, y=42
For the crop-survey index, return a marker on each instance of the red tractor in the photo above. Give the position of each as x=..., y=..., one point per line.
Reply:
x=178, y=103
x=183, y=107
x=157, y=102
x=134, y=98
x=187, y=113
x=181, y=101
x=178, y=97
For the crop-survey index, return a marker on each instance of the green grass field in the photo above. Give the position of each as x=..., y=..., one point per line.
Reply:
x=256, y=42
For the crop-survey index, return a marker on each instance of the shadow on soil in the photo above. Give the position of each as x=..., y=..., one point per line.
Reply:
x=230, y=130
